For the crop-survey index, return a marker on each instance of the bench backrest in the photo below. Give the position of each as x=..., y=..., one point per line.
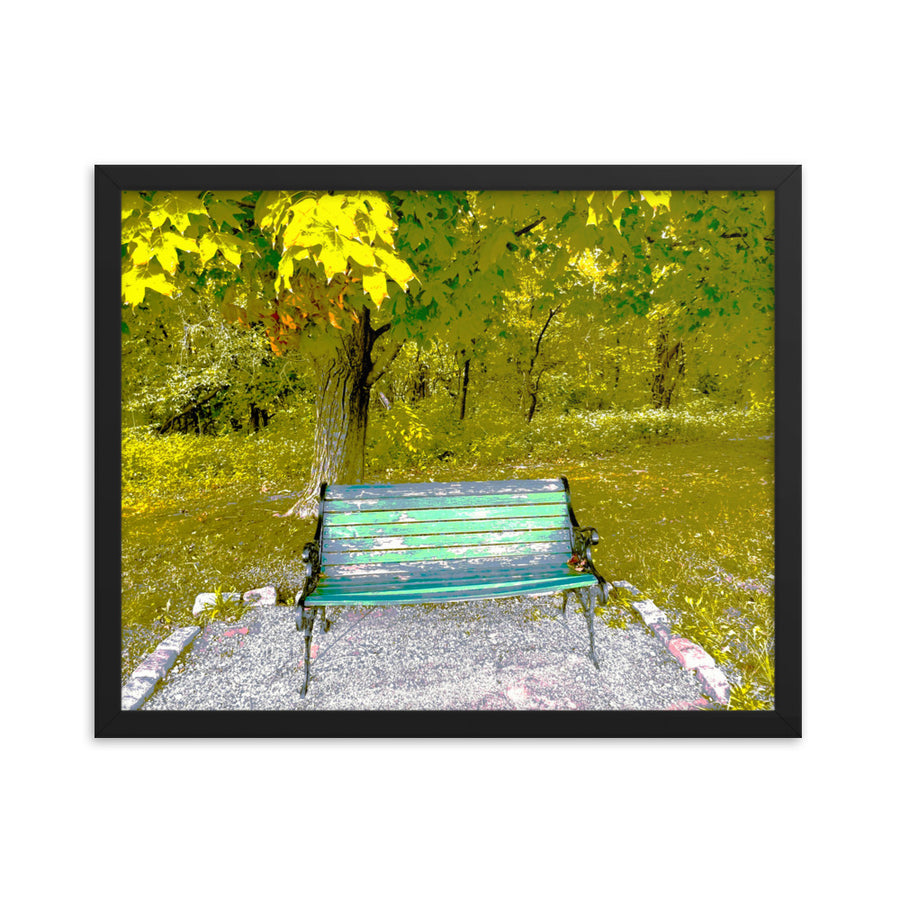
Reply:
x=461, y=526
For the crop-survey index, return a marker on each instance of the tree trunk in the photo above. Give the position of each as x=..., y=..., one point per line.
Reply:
x=258, y=416
x=618, y=368
x=664, y=378
x=420, y=381
x=343, y=387
x=532, y=406
x=464, y=391
x=530, y=384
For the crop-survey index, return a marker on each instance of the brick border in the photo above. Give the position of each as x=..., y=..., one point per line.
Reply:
x=155, y=666
x=690, y=656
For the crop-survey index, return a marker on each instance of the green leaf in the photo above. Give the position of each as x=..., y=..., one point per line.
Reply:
x=176, y=208
x=132, y=201
x=495, y=244
x=272, y=207
x=224, y=214
x=229, y=245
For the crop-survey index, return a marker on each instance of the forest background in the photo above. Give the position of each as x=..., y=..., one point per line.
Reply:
x=273, y=340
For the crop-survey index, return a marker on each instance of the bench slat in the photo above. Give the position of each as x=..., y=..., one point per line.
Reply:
x=447, y=593
x=457, y=516
x=538, y=563
x=424, y=575
x=444, y=489
x=410, y=541
x=515, y=525
x=472, y=551
x=437, y=502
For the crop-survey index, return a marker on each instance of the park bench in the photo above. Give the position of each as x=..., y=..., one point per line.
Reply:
x=385, y=544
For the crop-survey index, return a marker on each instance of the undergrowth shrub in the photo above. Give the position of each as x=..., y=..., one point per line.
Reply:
x=431, y=432
x=409, y=436
x=156, y=467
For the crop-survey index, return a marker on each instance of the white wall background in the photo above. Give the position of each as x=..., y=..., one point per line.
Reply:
x=406, y=82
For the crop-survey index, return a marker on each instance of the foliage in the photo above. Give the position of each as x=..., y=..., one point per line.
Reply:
x=459, y=267
x=224, y=608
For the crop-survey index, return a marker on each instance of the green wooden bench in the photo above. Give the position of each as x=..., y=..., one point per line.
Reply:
x=382, y=544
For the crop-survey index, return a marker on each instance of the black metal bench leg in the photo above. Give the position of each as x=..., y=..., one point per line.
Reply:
x=589, y=609
x=325, y=623
x=565, y=601
x=308, y=617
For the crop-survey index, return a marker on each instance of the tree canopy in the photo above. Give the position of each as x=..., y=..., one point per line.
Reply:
x=233, y=299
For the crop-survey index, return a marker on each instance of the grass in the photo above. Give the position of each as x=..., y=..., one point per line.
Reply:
x=686, y=515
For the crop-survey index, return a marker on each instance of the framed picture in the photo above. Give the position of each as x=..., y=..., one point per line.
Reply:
x=449, y=451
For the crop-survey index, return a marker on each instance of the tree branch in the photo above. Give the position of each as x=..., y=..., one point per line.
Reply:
x=382, y=367
x=537, y=347
x=528, y=228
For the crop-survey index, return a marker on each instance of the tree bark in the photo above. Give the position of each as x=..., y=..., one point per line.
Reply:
x=343, y=387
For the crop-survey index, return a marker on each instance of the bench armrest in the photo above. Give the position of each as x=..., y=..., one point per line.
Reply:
x=584, y=539
x=312, y=559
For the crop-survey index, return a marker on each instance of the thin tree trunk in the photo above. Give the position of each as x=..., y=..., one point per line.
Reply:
x=530, y=385
x=618, y=368
x=533, y=406
x=464, y=392
x=665, y=379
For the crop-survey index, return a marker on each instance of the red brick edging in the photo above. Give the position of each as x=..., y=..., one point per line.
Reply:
x=155, y=667
x=689, y=655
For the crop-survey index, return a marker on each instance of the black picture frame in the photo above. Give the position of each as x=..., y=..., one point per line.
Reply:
x=111, y=721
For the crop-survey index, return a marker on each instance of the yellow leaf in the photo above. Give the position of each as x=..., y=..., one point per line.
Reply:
x=658, y=198
x=331, y=210
x=395, y=268
x=362, y=253
x=333, y=320
x=141, y=254
x=375, y=286
x=301, y=217
x=332, y=260
x=207, y=248
x=167, y=257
